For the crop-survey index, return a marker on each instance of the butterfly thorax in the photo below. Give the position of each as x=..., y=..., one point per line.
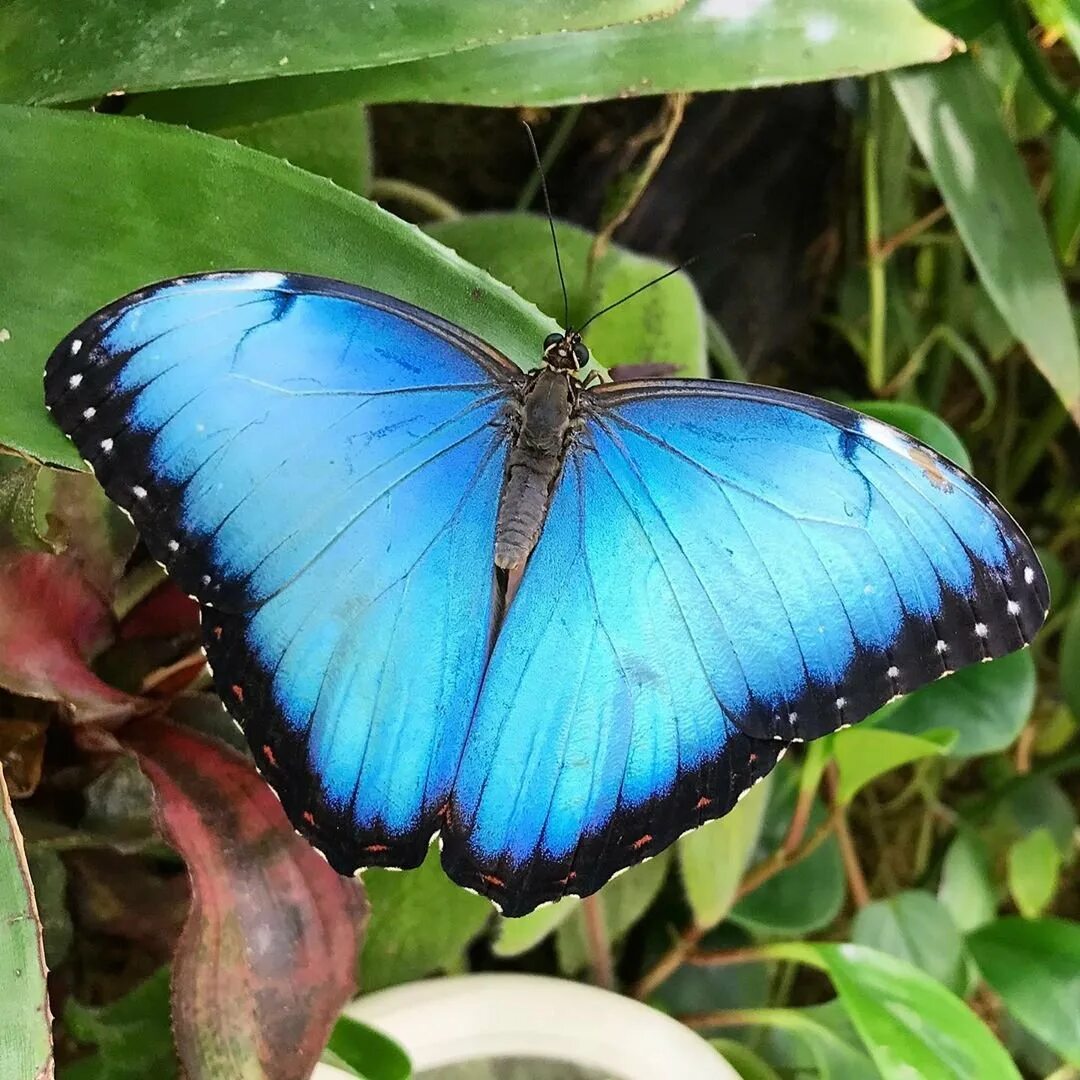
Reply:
x=543, y=426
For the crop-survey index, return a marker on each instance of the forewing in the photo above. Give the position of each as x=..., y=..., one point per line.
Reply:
x=724, y=570
x=319, y=466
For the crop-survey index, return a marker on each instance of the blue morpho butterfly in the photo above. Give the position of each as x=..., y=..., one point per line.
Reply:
x=558, y=623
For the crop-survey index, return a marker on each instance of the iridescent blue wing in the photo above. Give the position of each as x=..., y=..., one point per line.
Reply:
x=319, y=466
x=724, y=570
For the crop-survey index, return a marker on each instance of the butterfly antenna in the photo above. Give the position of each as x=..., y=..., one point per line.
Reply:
x=640, y=289
x=551, y=223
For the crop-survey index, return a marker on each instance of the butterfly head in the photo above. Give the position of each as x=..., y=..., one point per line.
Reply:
x=565, y=351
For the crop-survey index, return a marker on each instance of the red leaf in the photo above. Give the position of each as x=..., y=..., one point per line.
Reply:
x=267, y=957
x=165, y=613
x=51, y=623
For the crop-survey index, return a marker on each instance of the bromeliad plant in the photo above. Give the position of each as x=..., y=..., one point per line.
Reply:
x=924, y=862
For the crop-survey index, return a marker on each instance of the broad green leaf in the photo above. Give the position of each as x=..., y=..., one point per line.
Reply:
x=986, y=705
x=1034, y=965
x=665, y=324
x=624, y=900
x=915, y=927
x=1070, y=660
x=369, y=1053
x=806, y=896
x=708, y=45
x=132, y=1035
x=910, y=1023
x=516, y=936
x=965, y=18
x=25, y=1034
x=83, y=49
x=921, y=423
x=712, y=859
x=420, y=922
x=954, y=119
x=966, y=889
x=92, y=207
x=1035, y=802
x=1034, y=867
x=865, y=753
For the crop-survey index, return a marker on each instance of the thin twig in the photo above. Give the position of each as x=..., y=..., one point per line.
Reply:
x=421, y=198
x=597, y=943
x=888, y=247
x=860, y=892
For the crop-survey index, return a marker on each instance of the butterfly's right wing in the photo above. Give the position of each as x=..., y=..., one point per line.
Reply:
x=320, y=467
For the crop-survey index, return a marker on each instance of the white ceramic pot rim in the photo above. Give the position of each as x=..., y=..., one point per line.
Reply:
x=469, y=1017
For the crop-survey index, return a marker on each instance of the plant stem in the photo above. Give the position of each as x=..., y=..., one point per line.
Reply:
x=420, y=198
x=860, y=892
x=596, y=940
x=875, y=261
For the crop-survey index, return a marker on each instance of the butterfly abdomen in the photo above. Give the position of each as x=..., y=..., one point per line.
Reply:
x=534, y=465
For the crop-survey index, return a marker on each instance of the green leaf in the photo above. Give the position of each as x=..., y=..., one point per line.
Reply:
x=1065, y=194
x=1037, y=802
x=708, y=45
x=50, y=879
x=624, y=900
x=817, y=1042
x=966, y=889
x=420, y=922
x=744, y=1061
x=1070, y=660
x=517, y=936
x=865, y=753
x=81, y=49
x=910, y=1023
x=965, y=18
x=26, y=1038
x=954, y=119
x=1034, y=868
x=369, y=1053
x=331, y=140
x=921, y=423
x=712, y=859
x=916, y=927
x=132, y=1035
x=665, y=324
x=806, y=896
x=987, y=705
x=1034, y=965
x=92, y=207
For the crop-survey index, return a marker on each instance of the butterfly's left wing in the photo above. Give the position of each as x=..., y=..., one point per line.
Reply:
x=724, y=570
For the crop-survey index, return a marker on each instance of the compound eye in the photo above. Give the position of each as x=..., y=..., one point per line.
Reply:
x=552, y=339
x=581, y=355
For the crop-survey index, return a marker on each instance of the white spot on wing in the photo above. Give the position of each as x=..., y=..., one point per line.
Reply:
x=76, y=345
x=841, y=702
x=893, y=672
x=980, y=629
x=106, y=445
x=74, y=381
x=139, y=491
x=1029, y=574
x=173, y=545
x=941, y=647
x=1013, y=607
x=90, y=413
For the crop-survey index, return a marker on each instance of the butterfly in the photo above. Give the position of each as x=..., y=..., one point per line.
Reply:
x=558, y=623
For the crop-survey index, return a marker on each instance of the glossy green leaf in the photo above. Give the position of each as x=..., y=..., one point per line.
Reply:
x=1034, y=965
x=664, y=325
x=25, y=1034
x=916, y=927
x=421, y=922
x=517, y=936
x=82, y=49
x=92, y=207
x=816, y=1042
x=986, y=705
x=954, y=119
x=865, y=753
x=966, y=889
x=921, y=423
x=1070, y=660
x=910, y=1023
x=624, y=900
x=132, y=1036
x=1065, y=194
x=369, y=1053
x=276, y=117
x=1034, y=868
x=807, y=895
x=708, y=45
x=712, y=859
